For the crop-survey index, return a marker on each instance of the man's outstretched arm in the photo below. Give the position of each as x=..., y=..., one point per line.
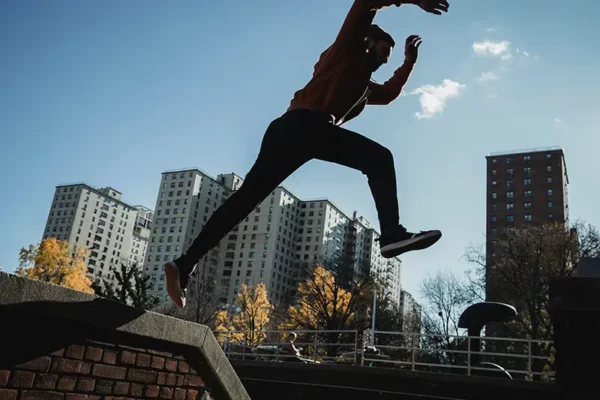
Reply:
x=359, y=19
x=361, y=15
x=382, y=94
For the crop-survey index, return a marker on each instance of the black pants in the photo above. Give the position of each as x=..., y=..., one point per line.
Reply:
x=290, y=141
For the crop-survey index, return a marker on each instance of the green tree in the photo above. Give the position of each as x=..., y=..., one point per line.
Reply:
x=129, y=287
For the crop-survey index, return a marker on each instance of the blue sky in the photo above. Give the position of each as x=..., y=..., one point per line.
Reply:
x=115, y=92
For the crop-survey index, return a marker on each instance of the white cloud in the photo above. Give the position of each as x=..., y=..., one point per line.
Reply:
x=491, y=30
x=492, y=48
x=486, y=77
x=433, y=98
x=523, y=52
x=557, y=120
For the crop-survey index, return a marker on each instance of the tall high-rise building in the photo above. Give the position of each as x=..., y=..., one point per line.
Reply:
x=94, y=219
x=411, y=313
x=141, y=235
x=271, y=245
x=524, y=187
x=186, y=198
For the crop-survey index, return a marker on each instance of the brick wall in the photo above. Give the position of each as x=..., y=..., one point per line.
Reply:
x=44, y=357
x=96, y=370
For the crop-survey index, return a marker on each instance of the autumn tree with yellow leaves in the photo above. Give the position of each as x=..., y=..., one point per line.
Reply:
x=323, y=303
x=252, y=319
x=53, y=261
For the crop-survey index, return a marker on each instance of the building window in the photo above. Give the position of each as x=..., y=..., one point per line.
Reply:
x=510, y=172
x=548, y=156
x=550, y=216
x=549, y=192
x=527, y=182
x=510, y=206
x=494, y=183
x=509, y=160
x=494, y=195
x=527, y=206
x=510, y=195
x=494, y=172
x=528, y=217
x=528, y=193
x=548, y=168
x=493, y=220
x=510, y=218
x=494, y=207
x=494, y=161
x=549, y=179
x=509, y=184
x=527, y=171
x=549, y=204
x=494, y=231
x=527, y=158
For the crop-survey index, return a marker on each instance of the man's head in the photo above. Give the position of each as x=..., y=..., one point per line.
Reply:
x=380, y=45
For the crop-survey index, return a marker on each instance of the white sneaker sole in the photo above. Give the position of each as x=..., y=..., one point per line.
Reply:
x=416, y=243
x=174, y=284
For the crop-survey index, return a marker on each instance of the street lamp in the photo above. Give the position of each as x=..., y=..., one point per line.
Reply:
x=386, y=291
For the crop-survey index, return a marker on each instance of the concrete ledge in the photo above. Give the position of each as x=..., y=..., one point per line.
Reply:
x=298, y=381
x=51, y=301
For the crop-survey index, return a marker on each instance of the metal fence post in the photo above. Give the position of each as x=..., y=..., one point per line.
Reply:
x=355, y=346
x=316, y=336
x=362, y=351
x=529, y=366
x=412, y=343
x=468, y=355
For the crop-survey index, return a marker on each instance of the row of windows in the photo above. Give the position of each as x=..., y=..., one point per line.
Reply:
x=250, y=264
x=176, y=201
x=159, y=249
x=527, y=205
x=526, y=182
x=161, y=239
x=171, y=193
x=172, y=185
x=231, y=255
x=510, y=160
x=181, y=175
x=511, y=195
x=528, y=171
x=527, y=218
x=175, y=211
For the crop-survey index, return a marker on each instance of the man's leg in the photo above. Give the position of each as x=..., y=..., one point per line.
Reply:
x=353, y=150
x=275, y=162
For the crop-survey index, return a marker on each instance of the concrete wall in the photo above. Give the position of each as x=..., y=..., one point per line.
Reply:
x=67, y=345
x=304, y=381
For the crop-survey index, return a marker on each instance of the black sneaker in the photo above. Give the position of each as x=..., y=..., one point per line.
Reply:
x=177, y=282
x=401, y=241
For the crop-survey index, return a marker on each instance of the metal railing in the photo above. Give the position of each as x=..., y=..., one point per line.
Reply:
x=522, y=358
x=271, y=345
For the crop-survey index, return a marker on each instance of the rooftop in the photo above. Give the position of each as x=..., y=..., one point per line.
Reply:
x=98, y=191
x=522, y=151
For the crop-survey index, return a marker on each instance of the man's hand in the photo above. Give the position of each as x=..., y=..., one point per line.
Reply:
x=411, y=49
x=436, y=7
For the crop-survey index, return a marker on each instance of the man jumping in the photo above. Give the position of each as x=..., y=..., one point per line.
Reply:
x=340, y=88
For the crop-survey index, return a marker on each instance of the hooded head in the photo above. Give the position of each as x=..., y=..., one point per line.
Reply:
x=380, y=45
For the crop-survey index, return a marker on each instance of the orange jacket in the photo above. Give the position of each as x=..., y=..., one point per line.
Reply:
x=341, y=84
